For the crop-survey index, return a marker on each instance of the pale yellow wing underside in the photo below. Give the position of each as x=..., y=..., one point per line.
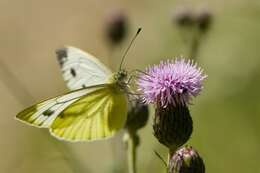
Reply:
x=88, y=114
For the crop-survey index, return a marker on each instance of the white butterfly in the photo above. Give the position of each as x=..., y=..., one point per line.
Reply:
x=95, y=109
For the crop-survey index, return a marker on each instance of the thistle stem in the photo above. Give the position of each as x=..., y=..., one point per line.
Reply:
x=170, y=154
x=195, y=44
x=132, y=143
x=194, y=48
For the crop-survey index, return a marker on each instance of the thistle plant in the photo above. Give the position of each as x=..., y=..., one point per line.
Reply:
x=136, y=119
x=193, y=27
x=170, y=86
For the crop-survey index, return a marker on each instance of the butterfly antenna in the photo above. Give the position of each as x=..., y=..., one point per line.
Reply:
x=132, y=41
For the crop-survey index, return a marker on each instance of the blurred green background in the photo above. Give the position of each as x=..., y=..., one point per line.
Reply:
x=226, y=114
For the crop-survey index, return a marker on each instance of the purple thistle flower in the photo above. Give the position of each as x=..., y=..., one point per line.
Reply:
x=171, y=82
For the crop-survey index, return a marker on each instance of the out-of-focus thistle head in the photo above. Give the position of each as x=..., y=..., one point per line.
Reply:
x=138, y=115
x=186, y=17
x=172, y=82
x=183, y=17
x=204, y=19
x=186, y=160
x=116, y=27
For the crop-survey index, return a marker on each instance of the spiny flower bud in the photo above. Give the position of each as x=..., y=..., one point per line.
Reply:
x=116, y=27
x=186, y=160
x=137, y=116
x=172, y=125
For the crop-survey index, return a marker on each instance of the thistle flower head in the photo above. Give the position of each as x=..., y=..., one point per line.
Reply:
x=183, y=17
x=204, y=20
x=172, y=82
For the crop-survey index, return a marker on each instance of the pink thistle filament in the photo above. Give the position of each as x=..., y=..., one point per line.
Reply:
x=171, y=82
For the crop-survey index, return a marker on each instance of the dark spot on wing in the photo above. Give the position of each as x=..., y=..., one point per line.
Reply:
x=48, y=112
x=73, y=72
x=84, y=86
x=62, y=55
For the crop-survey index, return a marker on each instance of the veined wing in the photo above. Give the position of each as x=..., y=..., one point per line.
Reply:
x=97, y=115
x=81, y=69
x=44, y=113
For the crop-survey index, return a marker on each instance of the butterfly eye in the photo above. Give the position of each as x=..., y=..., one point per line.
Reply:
x=122, y=75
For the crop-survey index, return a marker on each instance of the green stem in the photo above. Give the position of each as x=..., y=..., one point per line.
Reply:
x=195, y=45
x=132, y=143
x=194, y=48
x=172, y=150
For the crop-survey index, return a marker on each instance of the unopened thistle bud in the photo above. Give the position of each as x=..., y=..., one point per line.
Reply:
x=172, y=126
x=186, y=160
x=137, y=115
x=116, y=27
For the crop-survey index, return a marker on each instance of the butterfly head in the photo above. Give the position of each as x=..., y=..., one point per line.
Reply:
x=121, y=75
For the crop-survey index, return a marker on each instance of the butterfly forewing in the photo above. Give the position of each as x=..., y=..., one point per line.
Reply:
x=81, y=69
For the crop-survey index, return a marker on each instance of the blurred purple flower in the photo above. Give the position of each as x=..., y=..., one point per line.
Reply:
x=171, y=82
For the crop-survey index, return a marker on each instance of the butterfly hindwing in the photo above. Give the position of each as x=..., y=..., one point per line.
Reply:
x=81, y=69
x=87, y=114
x=96, y=116
x=43, y=113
